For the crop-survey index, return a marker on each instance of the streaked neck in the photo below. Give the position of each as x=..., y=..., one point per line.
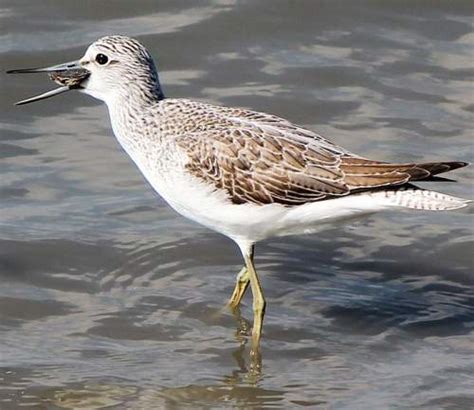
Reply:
x=127, y=105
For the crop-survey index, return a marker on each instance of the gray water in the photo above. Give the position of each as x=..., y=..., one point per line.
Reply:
x=110, y=299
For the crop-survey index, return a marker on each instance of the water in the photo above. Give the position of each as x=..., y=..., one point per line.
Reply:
x=108, y=298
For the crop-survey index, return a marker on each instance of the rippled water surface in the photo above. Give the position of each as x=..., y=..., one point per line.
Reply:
x=109, y=298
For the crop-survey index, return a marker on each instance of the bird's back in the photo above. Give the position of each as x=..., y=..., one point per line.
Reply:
x=263, y=159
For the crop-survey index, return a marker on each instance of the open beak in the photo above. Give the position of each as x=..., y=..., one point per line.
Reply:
x=68, y=75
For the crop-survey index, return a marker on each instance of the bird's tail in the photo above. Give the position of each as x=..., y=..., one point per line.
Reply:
x=409, y=196
x=433, y=168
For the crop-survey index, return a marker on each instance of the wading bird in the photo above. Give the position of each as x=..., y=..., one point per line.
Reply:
x=246, y=174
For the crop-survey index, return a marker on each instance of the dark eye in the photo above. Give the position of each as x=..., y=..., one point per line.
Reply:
x=101, y=59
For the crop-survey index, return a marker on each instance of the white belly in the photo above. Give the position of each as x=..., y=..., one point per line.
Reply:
x=210, y=207
x=250, y=222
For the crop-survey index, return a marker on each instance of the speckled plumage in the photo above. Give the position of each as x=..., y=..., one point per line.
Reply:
x=245, y=174
x=253, y=157
x=238, y=158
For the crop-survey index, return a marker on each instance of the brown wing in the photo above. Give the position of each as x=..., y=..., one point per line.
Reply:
x=263, y=159
x=254, y=166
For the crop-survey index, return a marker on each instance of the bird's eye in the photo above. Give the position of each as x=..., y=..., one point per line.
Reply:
x=101, y=59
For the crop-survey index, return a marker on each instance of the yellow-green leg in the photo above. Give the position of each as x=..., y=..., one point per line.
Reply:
x=241, y=285
x=258, y=298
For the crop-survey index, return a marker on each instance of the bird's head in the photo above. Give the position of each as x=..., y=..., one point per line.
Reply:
x=112, y=67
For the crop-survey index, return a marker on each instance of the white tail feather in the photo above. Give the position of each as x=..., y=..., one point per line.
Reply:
x=418, y=198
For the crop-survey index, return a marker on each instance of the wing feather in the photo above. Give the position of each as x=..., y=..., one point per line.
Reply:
x=261, y=158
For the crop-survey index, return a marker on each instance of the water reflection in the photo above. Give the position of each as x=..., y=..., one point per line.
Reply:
x=109, y=298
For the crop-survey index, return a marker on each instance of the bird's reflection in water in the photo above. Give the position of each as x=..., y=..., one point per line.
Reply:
x=240, y=387
x=106, y=395
x=251, y=366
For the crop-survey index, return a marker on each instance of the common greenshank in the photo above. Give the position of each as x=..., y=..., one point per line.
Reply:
x=246, y=174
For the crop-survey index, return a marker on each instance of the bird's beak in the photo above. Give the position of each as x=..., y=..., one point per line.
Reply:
x=68, y=75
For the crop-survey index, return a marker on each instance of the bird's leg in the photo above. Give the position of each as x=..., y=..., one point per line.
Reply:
x=258, y=299
x=241, y=285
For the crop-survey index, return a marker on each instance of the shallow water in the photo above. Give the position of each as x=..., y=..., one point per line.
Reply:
x=109, y=298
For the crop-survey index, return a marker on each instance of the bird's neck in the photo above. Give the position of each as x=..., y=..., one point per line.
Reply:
x=128, y=105
x=128, y=115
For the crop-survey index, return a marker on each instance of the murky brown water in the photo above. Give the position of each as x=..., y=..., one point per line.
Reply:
x=108, y=298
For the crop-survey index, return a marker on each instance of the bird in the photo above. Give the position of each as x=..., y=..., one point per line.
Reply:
x=246, y=174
